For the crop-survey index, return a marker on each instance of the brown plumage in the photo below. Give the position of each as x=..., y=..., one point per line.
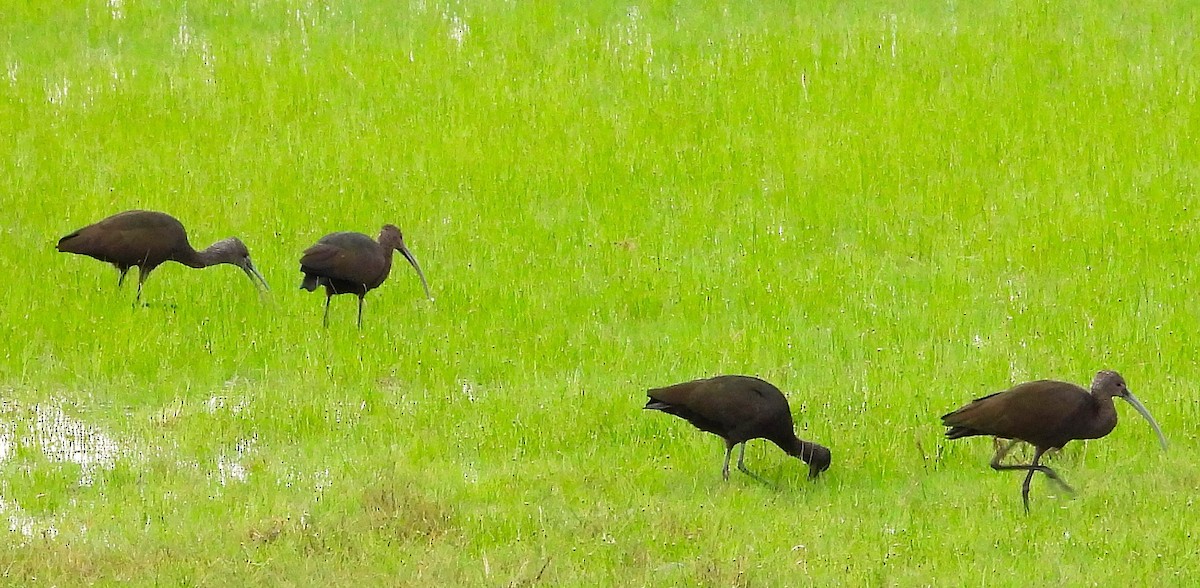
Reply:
x=737, y=409
x=146, y=239
x=1046, y=414
x=353, y=263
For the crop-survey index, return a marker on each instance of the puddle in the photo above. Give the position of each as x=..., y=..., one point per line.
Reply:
x=45, y=432
x=60, y=438
x=21, y=522
x=230, y=468
x=46, y=429
x=64, y=439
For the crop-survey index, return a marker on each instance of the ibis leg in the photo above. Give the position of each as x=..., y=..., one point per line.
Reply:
x=1002, y=449
x=121, y=280
x=325, y=319
x=1025, y=489
x=725, y=468
x=1031, y=468
x=742, y=465
x=360, y=304
x=142, y=273
x=1054, y=476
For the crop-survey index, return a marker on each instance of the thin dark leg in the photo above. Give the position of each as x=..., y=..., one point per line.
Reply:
x=1025, y=489
x=725, y=468
x=1054, y=476
x=142, y=274
x=360, y=304
x=1031, y=468
x=741, y=464
x=325, y=320
x=121, y=280
x=1034, y=467
x=1002, y=449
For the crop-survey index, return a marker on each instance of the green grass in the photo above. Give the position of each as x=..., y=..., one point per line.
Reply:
x=886, y=211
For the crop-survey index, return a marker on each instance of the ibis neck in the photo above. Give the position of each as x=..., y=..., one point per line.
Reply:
x=387, y=261
x=1103, y=417
x=199, y=259
x=796, y=447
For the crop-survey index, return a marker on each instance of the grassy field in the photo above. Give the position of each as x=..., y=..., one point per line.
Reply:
x=885, y=210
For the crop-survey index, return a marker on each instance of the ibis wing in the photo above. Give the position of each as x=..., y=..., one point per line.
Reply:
x=337, y=263
x=321, y=258
x=725, y=405
x=1027, y=411
x=714, y=399
x=692, y=402
x=347, y=256
x=676, y=394
x=127, y=244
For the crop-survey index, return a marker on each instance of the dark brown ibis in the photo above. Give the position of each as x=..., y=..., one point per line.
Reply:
x=1047, y=414
x=353, y=263
x=737, y=409
x=146, y=239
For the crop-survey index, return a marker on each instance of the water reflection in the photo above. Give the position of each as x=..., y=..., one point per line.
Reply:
x=33, y=435
x=230, y=468
x=64, y=439
x=46, y=430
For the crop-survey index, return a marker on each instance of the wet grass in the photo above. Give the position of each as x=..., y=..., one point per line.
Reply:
x=887, y=212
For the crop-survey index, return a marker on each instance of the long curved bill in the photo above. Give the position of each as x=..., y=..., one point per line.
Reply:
x=254, y=275
x=409, y=256
x=1131, y=399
